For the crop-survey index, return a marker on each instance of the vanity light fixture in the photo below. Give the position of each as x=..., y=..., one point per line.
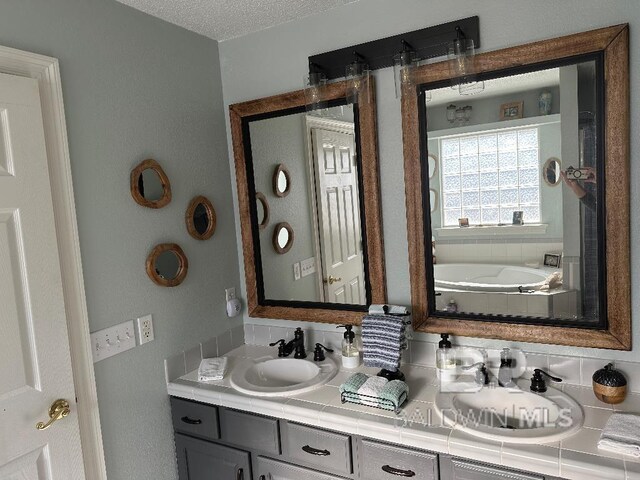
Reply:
x=461, y=55
x=314, y=85
x=451, y=113
x=426, y=43
x=357, y=76
x=404, y=64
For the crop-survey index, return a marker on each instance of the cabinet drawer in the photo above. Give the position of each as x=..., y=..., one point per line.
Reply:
x=194, y=418
x=268, y=469
x=384, y=462
x=463, y=470
x=250, y=431
x=326, y=450
x=202, y=460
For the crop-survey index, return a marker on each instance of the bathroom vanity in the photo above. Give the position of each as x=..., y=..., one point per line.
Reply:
x=315, y=436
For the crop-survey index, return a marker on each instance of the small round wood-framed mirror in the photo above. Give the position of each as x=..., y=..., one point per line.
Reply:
x=282, y=237
x=433, y=200
x=150, y=186
x=167, y=265
x=551, y=171
x=281, y=181
x=262, y=208
x=201, y=218
x=432, y=164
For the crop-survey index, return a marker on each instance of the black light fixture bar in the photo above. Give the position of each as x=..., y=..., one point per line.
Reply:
x=427, y=43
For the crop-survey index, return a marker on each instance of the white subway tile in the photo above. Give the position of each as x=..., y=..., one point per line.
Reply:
x=567, y=368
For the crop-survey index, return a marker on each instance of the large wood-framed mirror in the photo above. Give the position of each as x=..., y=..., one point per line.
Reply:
x=536, y=263
x=332, y=159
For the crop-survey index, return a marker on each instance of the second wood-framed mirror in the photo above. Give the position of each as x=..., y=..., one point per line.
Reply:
x=333, y=151
x=489, y=176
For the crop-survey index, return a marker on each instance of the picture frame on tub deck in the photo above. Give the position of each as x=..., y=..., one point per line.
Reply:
x=552, y=260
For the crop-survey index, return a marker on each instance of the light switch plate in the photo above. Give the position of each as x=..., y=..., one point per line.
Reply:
x=308, y=266
x=113, y=340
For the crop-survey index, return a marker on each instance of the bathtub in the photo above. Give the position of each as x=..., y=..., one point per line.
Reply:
x=480, y=277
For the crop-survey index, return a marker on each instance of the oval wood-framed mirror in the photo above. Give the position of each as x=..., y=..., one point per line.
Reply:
x=150, y=186
x=282, y=238
x=201, y=218
x=262, y=206
x=433, y=165
x=281, y=181
x=167, y=265
x=551, y=171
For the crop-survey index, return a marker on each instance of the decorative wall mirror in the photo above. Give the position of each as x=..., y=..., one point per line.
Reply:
x=432, y=165
x=281, y=181
x=150, y=186
x=262, y=210
x=201, y=218
x=167, y=265
x=551, y=171
x=489, y=171
x=282, y=237
x=335, y=152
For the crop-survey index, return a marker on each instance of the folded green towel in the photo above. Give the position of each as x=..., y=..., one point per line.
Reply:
x=396, y=391
x=353, y=383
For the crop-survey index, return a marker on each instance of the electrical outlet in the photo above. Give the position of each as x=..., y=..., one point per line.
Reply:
x=113, y=340
x=296, y=271
x=230, y=293
x=145, y=329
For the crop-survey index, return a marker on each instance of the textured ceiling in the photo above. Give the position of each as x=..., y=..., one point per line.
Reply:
x=225, y=19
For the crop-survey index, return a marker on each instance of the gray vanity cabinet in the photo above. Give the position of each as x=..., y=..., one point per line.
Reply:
x=268, y=469
x=380, y=461
x=457, y=469
x=200, y=460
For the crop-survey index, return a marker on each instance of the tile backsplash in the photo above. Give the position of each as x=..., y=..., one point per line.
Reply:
x=572, y=369
x=510, y=252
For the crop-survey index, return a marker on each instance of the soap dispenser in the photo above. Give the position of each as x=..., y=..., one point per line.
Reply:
x=351, y=348
x=445, y=359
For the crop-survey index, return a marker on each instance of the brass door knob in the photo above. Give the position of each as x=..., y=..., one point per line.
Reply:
x=58, y=409
x=331, y=280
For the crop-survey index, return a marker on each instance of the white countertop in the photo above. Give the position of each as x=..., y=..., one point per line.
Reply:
x=419, y=426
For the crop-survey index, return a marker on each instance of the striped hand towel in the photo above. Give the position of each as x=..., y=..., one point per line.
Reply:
x=382, y=339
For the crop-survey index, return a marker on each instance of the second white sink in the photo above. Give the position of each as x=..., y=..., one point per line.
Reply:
x=279, y=377
x=512, y=415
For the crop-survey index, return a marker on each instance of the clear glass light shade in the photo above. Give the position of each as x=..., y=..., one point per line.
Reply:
x=404, y=65
x=461, y=56
x=451, y=113
x=357, y=76
x=314, y=87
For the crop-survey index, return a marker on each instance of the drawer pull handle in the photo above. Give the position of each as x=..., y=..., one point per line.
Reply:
x=240, y=474
x=398, y=472
x=315, y=451
x=191, y=421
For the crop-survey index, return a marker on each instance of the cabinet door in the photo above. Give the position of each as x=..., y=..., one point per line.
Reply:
x=201, y=460
x=455, y=469
x=267, y=469
x=380, y=461
x=320, y=449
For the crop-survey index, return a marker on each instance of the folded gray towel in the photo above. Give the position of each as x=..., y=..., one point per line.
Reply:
x=353, y=383
x=382, y=339
x=371, y=390
x=621, y=434
x=396, y=392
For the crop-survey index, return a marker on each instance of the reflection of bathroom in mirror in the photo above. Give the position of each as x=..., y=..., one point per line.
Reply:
x=490, y=168
x=282, y=238
x=323, y=209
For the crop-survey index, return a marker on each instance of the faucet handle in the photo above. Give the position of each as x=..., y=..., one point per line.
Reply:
x=482, y=375
x=538, y=384
x=281, y=345
x=318, y=353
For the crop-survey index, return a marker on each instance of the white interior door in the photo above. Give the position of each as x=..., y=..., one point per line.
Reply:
x=35, y=364
x=339, y=216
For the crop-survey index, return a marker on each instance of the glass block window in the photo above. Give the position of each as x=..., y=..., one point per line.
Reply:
x=486, y=176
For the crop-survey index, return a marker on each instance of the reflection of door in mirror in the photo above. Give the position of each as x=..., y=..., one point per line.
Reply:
x=338, y=213
x=490, y=169
x=323, y=209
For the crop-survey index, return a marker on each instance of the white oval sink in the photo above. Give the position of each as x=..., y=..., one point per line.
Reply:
x=512, y=415
x=279, y=377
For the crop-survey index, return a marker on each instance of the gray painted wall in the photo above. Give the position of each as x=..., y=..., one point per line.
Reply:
x=136, y=87
x=250, y=69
